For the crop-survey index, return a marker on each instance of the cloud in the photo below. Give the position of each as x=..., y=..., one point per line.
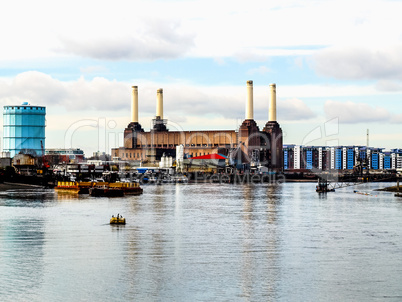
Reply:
x=182, y=101
x=389, y=85
x=259, y=70
x=294, y=110
x=42, y=89
x=396, y=119
x=353, y=113
x=360, y=63
x=137, y=29
x=157, y=39
x=94, y=69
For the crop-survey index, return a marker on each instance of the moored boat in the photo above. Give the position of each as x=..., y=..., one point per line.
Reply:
x=129, y=188
x=73, y=187
x=105, y=191
x=99, y=188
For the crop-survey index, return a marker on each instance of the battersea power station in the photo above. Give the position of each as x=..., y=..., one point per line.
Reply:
x=244, y=148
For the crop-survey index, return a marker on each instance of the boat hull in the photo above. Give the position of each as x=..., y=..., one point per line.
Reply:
x=105, y=192
x=115, y=220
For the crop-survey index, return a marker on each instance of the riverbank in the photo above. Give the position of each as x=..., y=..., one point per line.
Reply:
x=391, y=189
x=15, y=186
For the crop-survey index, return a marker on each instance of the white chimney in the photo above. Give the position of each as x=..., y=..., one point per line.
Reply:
x=272, y=103
x=134, y=104
x=159, y=103
x=249, y=103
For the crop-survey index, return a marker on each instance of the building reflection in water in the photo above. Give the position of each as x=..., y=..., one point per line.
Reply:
x=257, y=202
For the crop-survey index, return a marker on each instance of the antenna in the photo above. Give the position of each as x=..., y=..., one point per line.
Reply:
x=367, y=138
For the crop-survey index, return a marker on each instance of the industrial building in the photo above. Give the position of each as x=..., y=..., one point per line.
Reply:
x=24, y=129
x=245, y=147
x=57, y=156
x=298, y=158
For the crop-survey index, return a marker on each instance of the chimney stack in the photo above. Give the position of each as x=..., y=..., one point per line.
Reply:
x=272, y=103
x=159, y=103
x=134, y=104
x=249, y=103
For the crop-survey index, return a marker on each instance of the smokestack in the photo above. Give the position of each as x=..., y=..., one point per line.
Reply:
x=134, y=104
x=159, y=103
x=272, y=103
x=249, y=103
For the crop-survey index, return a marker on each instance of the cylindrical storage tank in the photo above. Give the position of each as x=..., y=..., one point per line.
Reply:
x=24, y=129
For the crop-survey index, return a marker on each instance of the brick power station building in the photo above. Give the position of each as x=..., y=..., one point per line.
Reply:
x=247, y=146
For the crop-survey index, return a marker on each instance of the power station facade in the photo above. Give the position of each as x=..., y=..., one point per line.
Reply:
x=245, y=147
x=24, y=129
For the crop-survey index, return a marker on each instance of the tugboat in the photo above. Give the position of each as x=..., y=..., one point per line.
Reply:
x=322, y=186
x=118, y=219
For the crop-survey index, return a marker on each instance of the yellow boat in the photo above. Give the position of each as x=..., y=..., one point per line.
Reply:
x=117, y=220
x=73, y=187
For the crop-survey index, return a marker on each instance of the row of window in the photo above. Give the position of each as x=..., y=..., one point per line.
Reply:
x=130, y=155
x=24, y=107
x=196, y=154
x=187, y=145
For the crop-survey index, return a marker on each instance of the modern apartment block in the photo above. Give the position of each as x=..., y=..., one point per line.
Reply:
x=297, y=157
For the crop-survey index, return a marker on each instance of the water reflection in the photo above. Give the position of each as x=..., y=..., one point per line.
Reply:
x=25, y=197
x=21, y=256
x=259, y=246
x=203, y=243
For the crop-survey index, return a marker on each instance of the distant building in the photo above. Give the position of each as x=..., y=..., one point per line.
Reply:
x=101, y=156
x=25, y=164
x=64, y=156
x=246, y=147
x=24, y=129
x=344, y=158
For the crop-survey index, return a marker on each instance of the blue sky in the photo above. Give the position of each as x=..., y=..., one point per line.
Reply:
x=336, y=64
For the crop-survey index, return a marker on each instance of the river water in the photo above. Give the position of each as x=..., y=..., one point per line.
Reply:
x=203, y=242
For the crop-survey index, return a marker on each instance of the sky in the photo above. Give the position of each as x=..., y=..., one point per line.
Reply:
x=337, y=66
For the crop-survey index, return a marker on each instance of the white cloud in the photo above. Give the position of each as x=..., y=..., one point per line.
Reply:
x=353, y=113
x=93, y=69
x=138, y=29
x=158, y=39
x=389, y=85
x=180, y=99
x=360, y=63
x=396, y=119
x=259, y=70
x=294, y=110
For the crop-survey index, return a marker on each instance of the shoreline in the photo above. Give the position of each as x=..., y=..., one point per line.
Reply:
x=13, y=186
x=391, y=189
